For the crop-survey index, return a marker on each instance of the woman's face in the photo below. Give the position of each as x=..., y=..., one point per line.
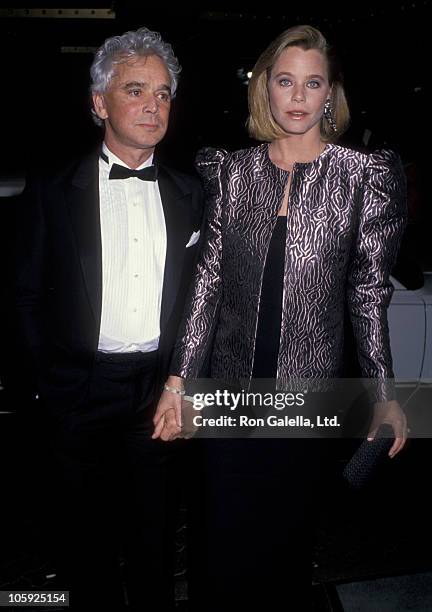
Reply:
x=298, y=88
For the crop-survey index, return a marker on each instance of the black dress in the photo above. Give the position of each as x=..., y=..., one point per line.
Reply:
x=270, y=310
x=254, y=548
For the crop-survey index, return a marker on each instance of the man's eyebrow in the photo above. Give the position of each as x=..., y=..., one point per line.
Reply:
x=165, y=87
x=133, y=84
x=141, y=84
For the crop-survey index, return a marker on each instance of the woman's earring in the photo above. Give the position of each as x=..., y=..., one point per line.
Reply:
x=328, y=114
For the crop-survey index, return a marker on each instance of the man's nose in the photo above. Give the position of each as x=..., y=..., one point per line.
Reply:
x=150, y=104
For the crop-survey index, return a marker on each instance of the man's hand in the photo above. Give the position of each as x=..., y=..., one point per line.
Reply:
x=189, y=428
x=168, y=413
x=167, y=428
x=392, y=414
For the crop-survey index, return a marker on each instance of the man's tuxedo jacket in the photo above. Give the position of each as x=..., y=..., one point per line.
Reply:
x=59, y=272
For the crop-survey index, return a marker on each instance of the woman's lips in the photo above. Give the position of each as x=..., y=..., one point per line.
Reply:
x=298, y=115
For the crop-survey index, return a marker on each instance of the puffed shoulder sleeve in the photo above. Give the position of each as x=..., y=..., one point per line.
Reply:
x=201, y=308
x=209, y=163
x=381, y=223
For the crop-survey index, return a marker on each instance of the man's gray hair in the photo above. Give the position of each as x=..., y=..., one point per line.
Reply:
x=117, y=49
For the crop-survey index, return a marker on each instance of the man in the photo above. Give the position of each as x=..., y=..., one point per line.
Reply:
x=105, y=255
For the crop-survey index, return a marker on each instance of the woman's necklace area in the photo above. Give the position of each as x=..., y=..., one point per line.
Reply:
x=288, y=163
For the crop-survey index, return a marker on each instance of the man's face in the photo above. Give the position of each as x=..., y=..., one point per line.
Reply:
x=136, y=105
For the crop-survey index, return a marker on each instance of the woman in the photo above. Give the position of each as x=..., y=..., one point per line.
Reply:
x=298, y=230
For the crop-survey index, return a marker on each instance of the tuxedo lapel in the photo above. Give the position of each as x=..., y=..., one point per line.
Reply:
x=82, y=197
x=176, y=208
x=83, y=203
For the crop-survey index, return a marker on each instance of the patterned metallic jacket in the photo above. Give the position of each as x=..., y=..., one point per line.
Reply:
x=346, y=215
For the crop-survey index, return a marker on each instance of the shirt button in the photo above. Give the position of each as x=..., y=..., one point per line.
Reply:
x=135, y=310
x=135, y=239
x=136, y=275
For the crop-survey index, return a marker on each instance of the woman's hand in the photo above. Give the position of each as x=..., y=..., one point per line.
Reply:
x=167, y=420
x=392, y=414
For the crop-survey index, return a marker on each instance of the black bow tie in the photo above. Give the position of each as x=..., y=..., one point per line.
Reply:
x=145, y=174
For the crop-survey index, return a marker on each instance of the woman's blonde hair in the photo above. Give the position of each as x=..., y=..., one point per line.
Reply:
x=261, y=123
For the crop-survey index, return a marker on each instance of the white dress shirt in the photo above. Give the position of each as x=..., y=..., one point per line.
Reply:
x=133, y=260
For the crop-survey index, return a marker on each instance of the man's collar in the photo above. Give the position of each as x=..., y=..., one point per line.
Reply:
x=110, y=158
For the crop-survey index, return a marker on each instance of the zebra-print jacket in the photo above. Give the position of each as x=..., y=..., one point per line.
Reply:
x=346, y=215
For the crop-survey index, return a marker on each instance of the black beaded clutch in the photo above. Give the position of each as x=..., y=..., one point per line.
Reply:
x=368, y=458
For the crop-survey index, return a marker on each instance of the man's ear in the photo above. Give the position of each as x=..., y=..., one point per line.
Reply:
x=99, y=105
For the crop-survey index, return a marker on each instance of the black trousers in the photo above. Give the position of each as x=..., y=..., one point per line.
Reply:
x=114, y=494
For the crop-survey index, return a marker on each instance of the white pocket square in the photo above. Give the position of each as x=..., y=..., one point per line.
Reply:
x=193, y=239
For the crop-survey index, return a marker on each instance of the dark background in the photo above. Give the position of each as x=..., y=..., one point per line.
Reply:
x=45, y=121
x=44, y=101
